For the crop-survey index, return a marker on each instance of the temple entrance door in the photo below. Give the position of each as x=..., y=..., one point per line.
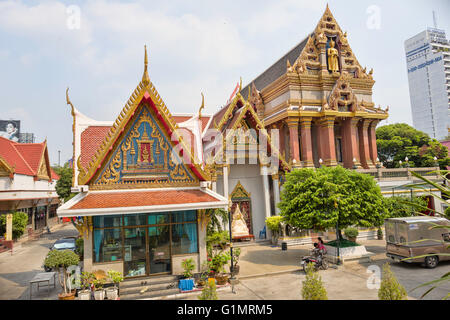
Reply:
x=159, y=251
x=135, y=257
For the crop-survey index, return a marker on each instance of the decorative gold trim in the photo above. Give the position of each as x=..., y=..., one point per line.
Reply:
x=122, y=120
x=240, y=192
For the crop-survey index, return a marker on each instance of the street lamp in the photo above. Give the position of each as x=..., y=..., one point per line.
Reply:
x=320, y=162
x=354, y=163
x=378, y=163
x=435, y=161
x=338, y=260
x=231, y=249
x=400, y=163
x=407, y=164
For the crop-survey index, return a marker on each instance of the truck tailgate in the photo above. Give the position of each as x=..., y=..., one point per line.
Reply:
x=399, y=250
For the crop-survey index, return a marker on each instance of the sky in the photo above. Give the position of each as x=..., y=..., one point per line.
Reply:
x=96, y=48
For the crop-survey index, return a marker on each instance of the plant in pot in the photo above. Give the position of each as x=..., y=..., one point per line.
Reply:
x=86, y=281
x=274, y=225
x=99, y=293
x=380, y=234
x=236, y=254
x=61, y=260
x=351, y=233
x=116, y=277
x=217, y=264
x=188, y=267
x=204, y=273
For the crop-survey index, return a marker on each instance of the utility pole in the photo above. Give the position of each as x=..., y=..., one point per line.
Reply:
x=59, y=158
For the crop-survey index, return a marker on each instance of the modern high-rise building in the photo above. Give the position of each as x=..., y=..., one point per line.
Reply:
x=428, y=62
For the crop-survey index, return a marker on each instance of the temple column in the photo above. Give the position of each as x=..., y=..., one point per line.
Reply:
x=214, y=181
x=351, y=149
x=225, y=181
x=293, y=141
x=265, y=181
x=276, y=192
x=327, y=143
x=364, y=146
x=307, y=153
x=373, y=141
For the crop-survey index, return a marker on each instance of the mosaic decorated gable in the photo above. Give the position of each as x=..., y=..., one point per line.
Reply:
x=143, y=158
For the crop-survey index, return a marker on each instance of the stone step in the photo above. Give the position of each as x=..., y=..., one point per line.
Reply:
x=141, y=282
x=148, y=294
x=151, y=287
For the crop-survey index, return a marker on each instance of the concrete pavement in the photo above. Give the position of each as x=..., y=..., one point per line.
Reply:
x=18, y=269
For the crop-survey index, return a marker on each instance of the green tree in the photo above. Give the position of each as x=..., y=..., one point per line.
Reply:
x=19, y=224
x=313, y=288
x=390, y=289
x=399, y=207
x=217, y=218
x=61, y=259
x=320, y=199
x=64, y=184
x=397, y=141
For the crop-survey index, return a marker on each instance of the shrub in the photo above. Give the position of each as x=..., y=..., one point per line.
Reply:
x=274, y=224
x=115, y=276
x=390, y=289
x=351, y=232
x=313, y=288
x=86, y=279
x=61, y=259
x=79, y=249
x=19, y=224
x=209, y=292
x=188, y=266
x=217, y=262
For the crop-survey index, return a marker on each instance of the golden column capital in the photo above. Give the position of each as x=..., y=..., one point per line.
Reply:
x=292, y=122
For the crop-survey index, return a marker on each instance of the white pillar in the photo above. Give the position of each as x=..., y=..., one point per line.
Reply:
x=276, y=193
x=225, y=181
x=265, y=178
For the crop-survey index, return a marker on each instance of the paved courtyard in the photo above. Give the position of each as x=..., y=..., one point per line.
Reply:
x=266, y=273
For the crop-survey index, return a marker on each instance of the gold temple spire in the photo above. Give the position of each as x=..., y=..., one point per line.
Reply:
x=145, y=77
x=202, y=107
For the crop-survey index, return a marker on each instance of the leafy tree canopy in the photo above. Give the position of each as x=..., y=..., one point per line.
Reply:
x=64, y=183
x=318, y=199
x=397, y=141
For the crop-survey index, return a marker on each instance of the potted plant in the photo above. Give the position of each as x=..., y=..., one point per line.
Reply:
x=380, y=234
x=62, y=259
x=236, y=254
x=86, y=281
x=204, y=273
x=116, y=277
x=188, y=266
x=274, y=225
x=217, y=264
x=351, y=233
x=99, y=293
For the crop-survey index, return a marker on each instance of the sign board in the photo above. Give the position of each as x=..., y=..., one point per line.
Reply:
x=9, y=219
x=10, y=129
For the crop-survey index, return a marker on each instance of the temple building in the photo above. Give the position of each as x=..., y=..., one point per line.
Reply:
x=315, y=107
x=142, y=190
x=146, y=180
x=27, y=183
x=320, y=99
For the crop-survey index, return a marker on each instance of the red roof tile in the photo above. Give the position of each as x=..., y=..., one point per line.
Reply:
x=24, y=157
x=141, y=198
x=91, y=139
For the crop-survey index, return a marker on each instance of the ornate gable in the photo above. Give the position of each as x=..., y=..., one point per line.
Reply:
x=328, y=30
x=239, y=192
x=243, y=119
x=44, y=170
x=145, y=94
x=143, y=157
x=5, y=169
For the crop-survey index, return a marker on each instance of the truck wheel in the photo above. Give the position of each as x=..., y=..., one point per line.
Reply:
x=431, y=262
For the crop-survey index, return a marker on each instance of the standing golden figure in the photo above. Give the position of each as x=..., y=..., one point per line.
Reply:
x=333, y=54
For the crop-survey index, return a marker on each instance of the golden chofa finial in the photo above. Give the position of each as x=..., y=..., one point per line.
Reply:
x=240, y=85
x=145, y=77
x=201, y=107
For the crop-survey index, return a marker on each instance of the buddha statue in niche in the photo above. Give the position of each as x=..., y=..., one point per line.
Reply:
x=238, y=226
x=333, y=56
